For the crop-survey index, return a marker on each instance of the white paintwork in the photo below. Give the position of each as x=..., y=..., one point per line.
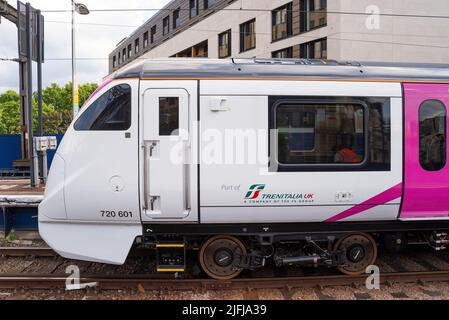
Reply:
x=166, y=157
x=249, y=111
x=53, y=205
x=79, y=183
x=176, y=184
x=98, y=242
x=94, y=160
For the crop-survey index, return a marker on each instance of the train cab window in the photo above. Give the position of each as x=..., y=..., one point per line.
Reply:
x=168, y=116
x=110, y=112
x=329, y=134
x=432, y=135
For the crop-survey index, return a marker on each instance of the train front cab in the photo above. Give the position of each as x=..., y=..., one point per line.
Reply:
x=91, y=208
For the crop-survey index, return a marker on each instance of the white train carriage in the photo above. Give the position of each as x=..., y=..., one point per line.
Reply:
x=305, y=162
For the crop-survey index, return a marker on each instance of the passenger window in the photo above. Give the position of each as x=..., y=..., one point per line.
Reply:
x=110, y=112
x=168, y=116
x=432, y=135
x=320, y=134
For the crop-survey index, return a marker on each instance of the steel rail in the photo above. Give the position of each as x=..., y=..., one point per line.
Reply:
x=134, y=281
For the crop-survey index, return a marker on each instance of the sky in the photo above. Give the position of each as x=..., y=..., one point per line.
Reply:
x=92, y=41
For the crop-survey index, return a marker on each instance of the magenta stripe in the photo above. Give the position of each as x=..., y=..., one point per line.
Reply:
x=96, y=91
x=382, y=198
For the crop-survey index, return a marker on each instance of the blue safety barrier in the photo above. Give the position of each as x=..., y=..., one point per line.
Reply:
x=10, y=150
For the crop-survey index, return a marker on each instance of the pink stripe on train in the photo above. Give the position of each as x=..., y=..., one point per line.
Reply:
x=382, y=198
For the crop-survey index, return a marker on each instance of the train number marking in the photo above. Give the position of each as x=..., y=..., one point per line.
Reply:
x=116, y=214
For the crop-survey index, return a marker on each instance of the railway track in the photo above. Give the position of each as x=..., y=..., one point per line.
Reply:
x=102, y=282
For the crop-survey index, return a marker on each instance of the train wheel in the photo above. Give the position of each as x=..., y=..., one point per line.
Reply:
x=218, y=254
x=361, y=252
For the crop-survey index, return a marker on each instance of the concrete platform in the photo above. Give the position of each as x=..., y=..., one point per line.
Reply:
x=18, y=193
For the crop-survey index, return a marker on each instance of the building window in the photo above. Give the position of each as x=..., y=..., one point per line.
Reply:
x=199, y=50
x=330, y=134
x=286, y=53
x=314, y=49
x=248, y=35
x=313, y=14
x=153, y=34
x=137, y=45
x=145, y=39
x=193, y=8
x=130, y=51
x=168, y=116
x=114, y=62
x=281, y=21
x=124, y=55
x=166, y=25
x=119, y=58
x=110, y=112
x=224, y=44
x=208, y=4
x=432, y=135
x=176, y=20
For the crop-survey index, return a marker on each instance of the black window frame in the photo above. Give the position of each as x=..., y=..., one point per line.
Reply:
x=423, y=104
x=124, y=55
x=114, y=61
x=193, y=9
x=365, y=166
x=244, y=32
x=176, y=18
x=136, y=46
x=162, y=132
x=288, y=49
x=166, y=25
x=153, y=32
x=145, y=39
x=129, y=51
x=89, y=109
x=306, y=48
x=289, y=21
x=304, y=16
x=207, y=4
x=229, y=35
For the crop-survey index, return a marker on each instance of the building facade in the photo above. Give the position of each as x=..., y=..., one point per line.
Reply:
x=361, y=30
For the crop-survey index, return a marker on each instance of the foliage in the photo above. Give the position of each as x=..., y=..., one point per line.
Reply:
x=56, y=108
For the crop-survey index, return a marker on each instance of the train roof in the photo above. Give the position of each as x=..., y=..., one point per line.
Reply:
x=196, y=68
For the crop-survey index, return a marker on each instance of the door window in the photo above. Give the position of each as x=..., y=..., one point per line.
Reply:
x=432, y=135
x=168, y=116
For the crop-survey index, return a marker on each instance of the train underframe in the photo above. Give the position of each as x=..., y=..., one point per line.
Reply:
x=224, y=255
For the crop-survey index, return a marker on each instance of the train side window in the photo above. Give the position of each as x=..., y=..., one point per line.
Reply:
x=327, y=133
x=110, y=112
x=432, y=135
x=168, y=116
x=320, y=134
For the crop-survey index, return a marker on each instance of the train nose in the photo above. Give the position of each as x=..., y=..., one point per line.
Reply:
x=53, y=205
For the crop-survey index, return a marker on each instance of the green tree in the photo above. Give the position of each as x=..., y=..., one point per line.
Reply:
x=56, y=108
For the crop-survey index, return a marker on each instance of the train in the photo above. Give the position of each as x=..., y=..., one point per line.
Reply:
x=252, y=162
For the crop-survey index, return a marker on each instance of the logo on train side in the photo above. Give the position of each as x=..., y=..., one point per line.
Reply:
x=256, y=195
x=254, y=191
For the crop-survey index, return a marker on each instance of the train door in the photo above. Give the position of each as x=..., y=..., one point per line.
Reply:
x=426, y=171
x=167, y=182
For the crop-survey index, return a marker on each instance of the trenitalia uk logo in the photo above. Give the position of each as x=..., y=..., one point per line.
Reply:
x=256, y=195
x=254, y=191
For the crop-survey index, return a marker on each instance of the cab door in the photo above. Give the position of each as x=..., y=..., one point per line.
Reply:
x=167, y=170
x=426, y=177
